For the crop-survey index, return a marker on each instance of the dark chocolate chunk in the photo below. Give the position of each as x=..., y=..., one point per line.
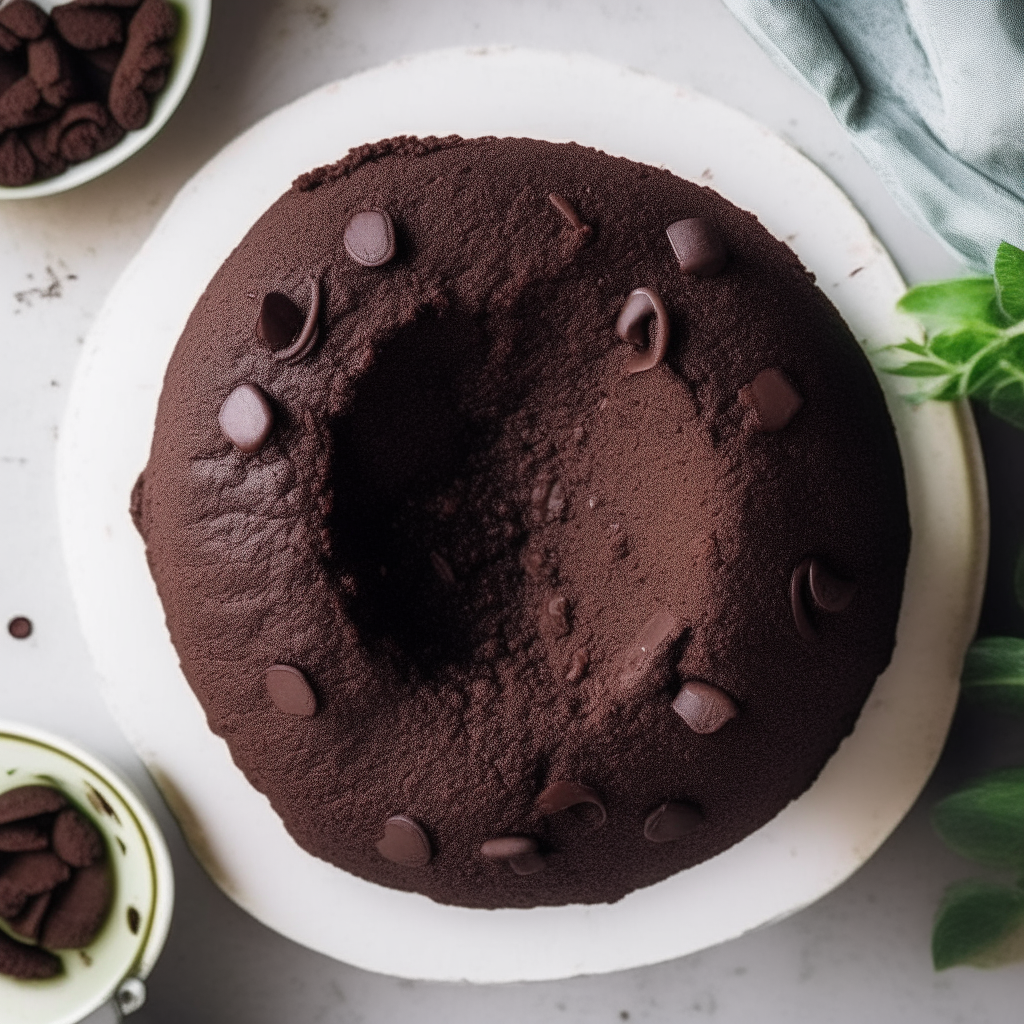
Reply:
x=670, y=821
x=134, y=920
x=647, y=660
x=28, y=874
x=634, y=325
x=704, y=708
x=246, y=418
x=507, y=847
x=698, y=246
x=152, y=27
x=20, y=627
x=306, y=338
x=560, y=796
x=578, y=665
x=24, y=18
x=565, y=208
x=290, y=691
x=79, y=909
x=30, y=920
x=87, y=28
x=555, y=615
x=405, y=842
x=49, y=66
x=29, y=963
x=797, y=586
x=521, y=852
x=24, y=836
x=773, y=401
x=280, y=321
x=29, y=802
x=831, y=593
x=76, y=840
x=370, y=238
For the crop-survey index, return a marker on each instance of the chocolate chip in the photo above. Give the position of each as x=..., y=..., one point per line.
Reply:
x=521, y=852
x=370, y=238
x=20, y=628
x=76, y=839
x=830, y=593
x=555, y=617
x=698, y=246
x=578, y=665
x=290, y=335
x=29, y=921
x=79, y=909
x=29, y=963
x=641, y=307
x=564, y=207
x=506, y=847
x=647, y=658
x=134, y=920
x=704, y=708
x=671, y=821
x=773, y=401
x=560, y=796
x=26, y=875
x=29, y=802
x=290, y=691
x=246, y=418
x=25, y=19
x=280, y=321
x=405, y=842
x=24, y=837
x=797, y=585
x=87, y=28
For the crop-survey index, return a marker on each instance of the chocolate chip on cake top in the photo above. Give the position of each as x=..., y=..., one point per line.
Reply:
x=527, y=522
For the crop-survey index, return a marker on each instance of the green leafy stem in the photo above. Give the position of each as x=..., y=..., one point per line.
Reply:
x=973, y=347
x=974, y=339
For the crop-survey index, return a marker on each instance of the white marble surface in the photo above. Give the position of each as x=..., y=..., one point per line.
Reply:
x=860, y=954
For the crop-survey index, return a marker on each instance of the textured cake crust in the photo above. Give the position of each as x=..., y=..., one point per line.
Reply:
x=467, y=513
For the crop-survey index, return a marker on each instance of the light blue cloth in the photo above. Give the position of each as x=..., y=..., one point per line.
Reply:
x=932, y=92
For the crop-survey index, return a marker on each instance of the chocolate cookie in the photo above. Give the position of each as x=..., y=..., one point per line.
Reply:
x=526, y=520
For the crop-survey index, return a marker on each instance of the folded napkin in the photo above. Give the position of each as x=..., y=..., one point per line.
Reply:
x=932, y=92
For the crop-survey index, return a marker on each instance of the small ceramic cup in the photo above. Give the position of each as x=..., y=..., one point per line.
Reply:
x=187, y=48
x=113, y=968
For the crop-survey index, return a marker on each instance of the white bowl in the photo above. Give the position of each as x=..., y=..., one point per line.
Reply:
x=187, y=49
x=816, y=842
x=143, y=881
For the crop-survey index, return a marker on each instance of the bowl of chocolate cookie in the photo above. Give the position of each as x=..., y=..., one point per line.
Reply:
x=86, y=886
x=87, y=83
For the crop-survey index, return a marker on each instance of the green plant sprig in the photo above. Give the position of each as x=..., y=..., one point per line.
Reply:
x=974, y=339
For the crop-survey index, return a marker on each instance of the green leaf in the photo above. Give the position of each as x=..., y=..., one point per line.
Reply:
x=921, y=368
x=908, y=346
x=1006, y=400
x=953, y=303
x=974, y=917
x=949, y=391
x=960, y=346
x=1009, y=278
x=994, y=669
x=985, y=820
x=984, y=373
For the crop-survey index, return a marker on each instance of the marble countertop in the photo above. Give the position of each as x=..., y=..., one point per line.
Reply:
x=862, y=952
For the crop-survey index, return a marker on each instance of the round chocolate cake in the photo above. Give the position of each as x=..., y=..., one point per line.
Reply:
x=527, y=522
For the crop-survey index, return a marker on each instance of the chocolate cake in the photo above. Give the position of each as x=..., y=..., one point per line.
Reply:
x=527, y=522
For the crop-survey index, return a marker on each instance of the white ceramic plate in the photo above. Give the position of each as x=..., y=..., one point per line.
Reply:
x=187, y=48
x=814, y=844
x=143, y=880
